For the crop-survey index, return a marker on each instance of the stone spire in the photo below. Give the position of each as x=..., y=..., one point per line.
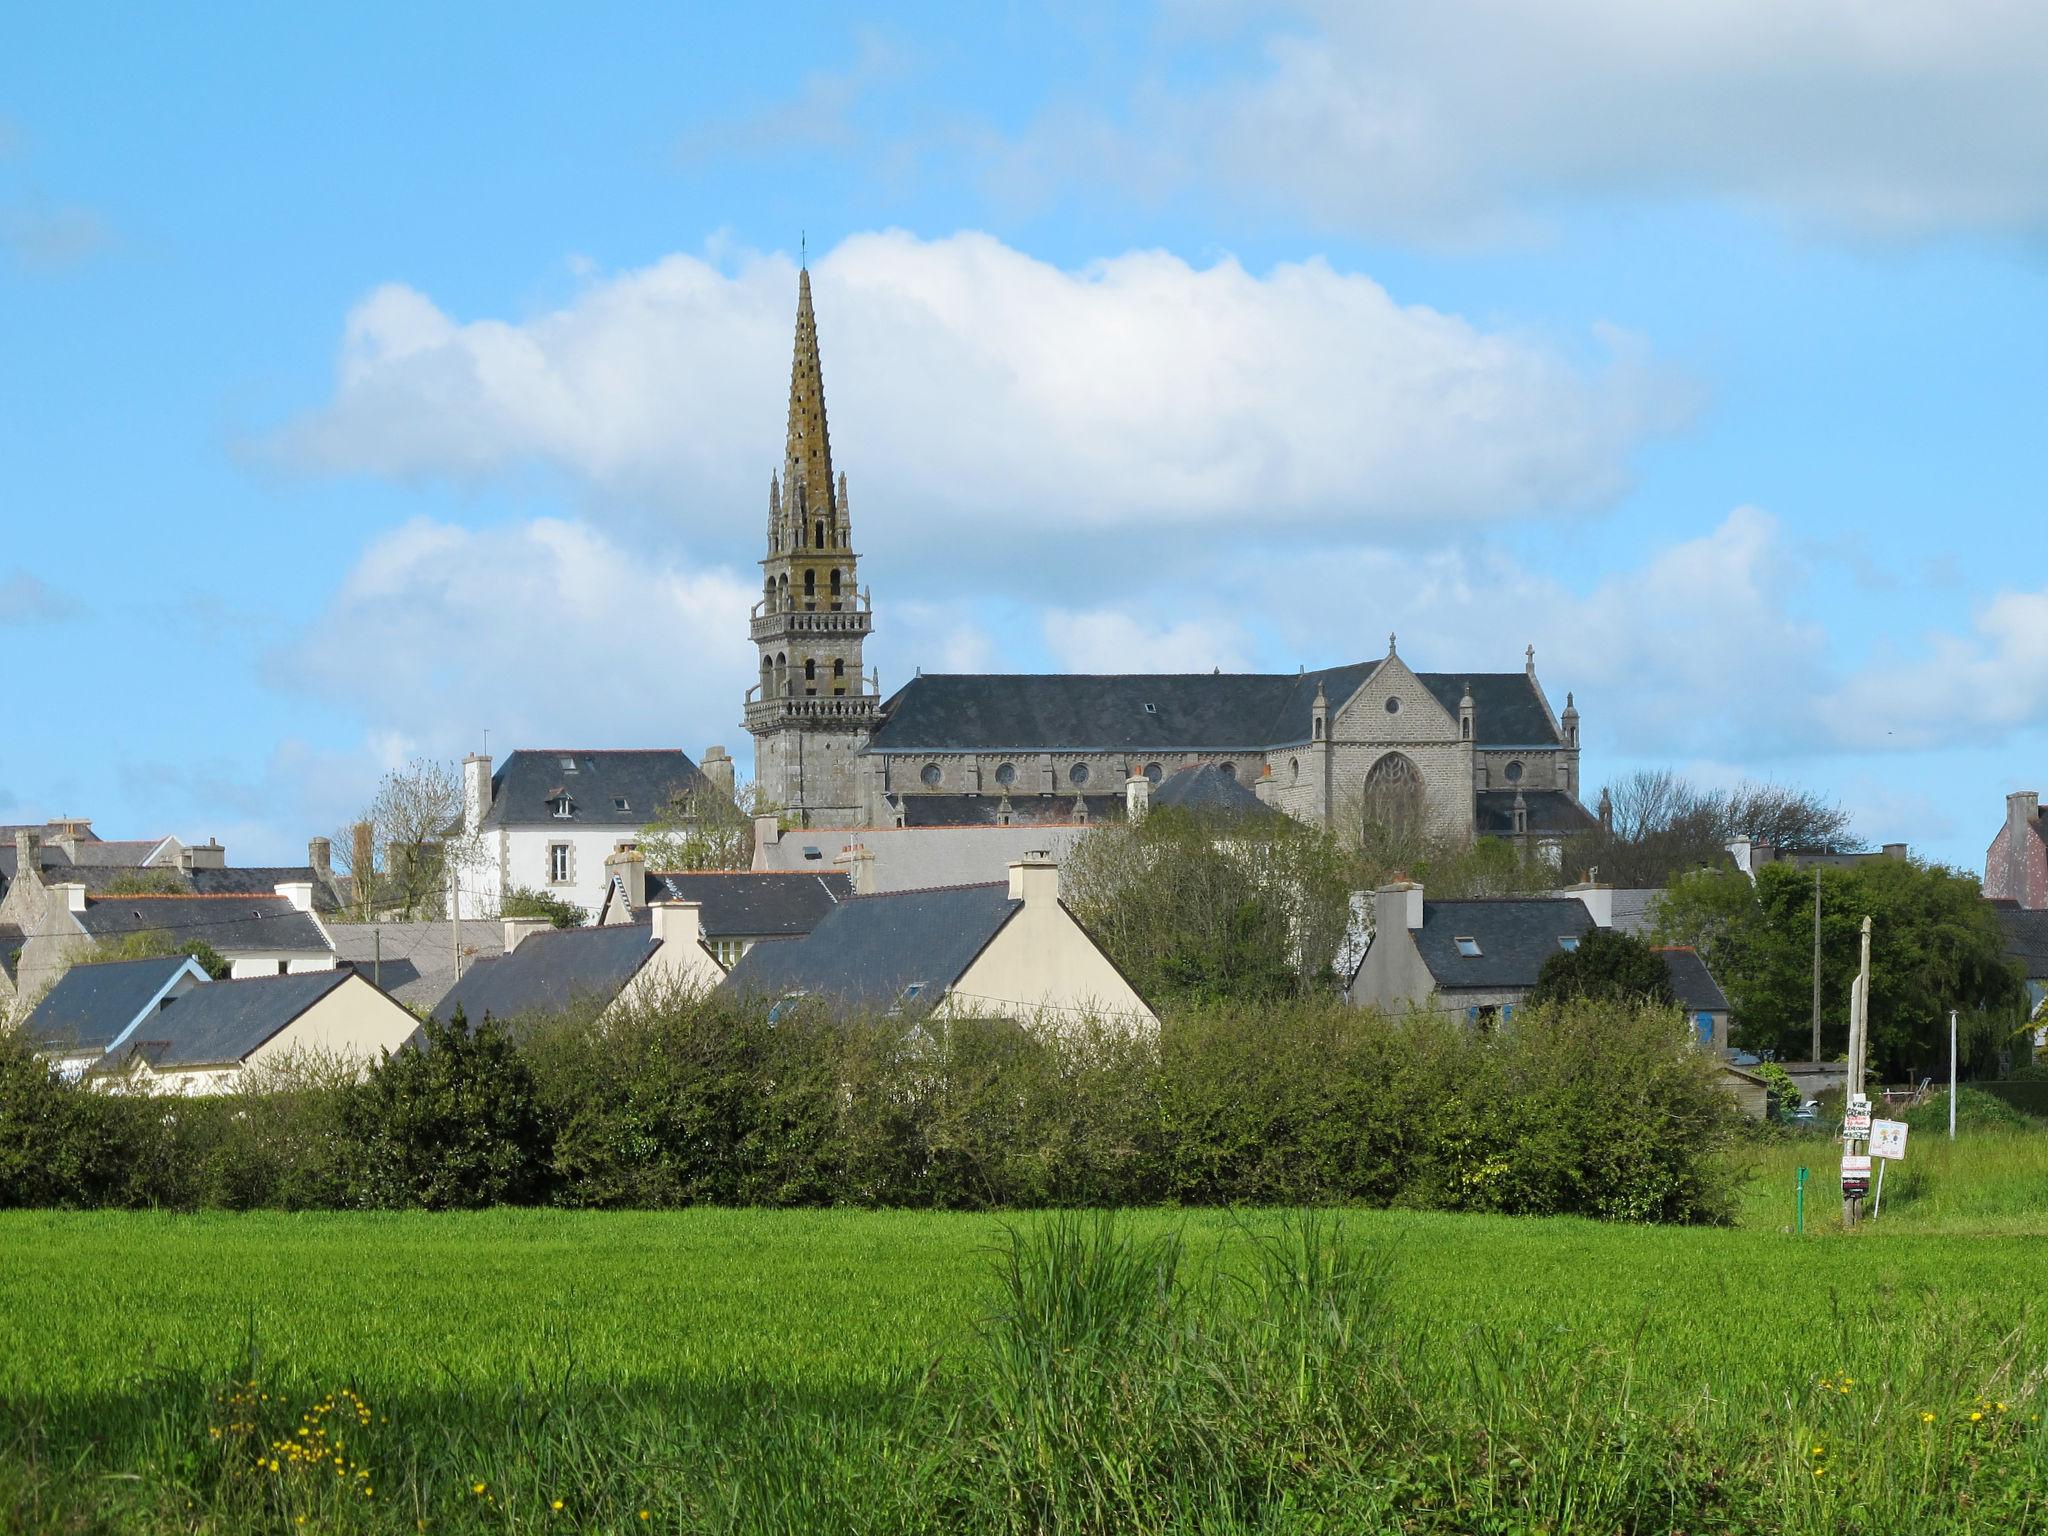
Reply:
x=807, y=466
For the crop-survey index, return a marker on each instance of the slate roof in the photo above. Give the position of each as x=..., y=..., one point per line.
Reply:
x=1188, y=712
x=1635, y=911
x=1550, y=810
x=418, y=959
x=745, y=904
x=1206, y=788
x=91, y=1005
x=2026, y=940
x=917, y=858
x=1025, y=809
x=231, y=924
x=1515, y=937
x=551, y=971
x=868, y=950
x=1692, y=984
x=224, y=1022
x=529, y=780
x=120, y=853
x=261, y=880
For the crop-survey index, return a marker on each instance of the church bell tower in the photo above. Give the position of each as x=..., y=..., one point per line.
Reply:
x=811, y=711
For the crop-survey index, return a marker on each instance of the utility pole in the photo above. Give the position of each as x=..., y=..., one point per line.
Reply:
x=1952, y=1074
x=1816, y=964
x=1856, y=1121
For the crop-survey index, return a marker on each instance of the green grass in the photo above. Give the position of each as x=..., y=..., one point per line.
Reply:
x=739, y=1370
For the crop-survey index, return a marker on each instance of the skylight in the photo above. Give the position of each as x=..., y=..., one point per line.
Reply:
x=1568, y=942
x=1467, y=946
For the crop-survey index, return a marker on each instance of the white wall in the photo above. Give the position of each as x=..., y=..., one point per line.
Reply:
x=257, y=962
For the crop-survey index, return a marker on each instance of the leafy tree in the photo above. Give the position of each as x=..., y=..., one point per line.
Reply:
x=1195, y=905
x=524, y=901
x=1936, y=945
x=1607, y=966
x=147, y=882
x=453, y=1123
x=156, y=944
x=705, y=829
x=1663, y=826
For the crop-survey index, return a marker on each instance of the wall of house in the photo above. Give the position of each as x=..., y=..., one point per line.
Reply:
x=1041, y=964
x=519, y=856
x=355, y=1022
x=1392, y=977
x=676, y=968
x=2016, y=865
x=266, y=962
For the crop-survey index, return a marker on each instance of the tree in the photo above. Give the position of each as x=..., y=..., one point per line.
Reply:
x=524, y=901
x=1605, y=966
x=147, y=882
x=1936, y=945
x=156, y=944
x=705, y=829
x=1662, y=826
x=1194, y=905
x=416, y=841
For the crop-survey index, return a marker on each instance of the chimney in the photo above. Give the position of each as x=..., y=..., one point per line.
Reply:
x=1744, y=853
x=476, y=790
x=71, y=893
x=859, y=863
x=1397, y=904
x=519, y=929
x=69, y=833
x=1895, y=850
x=767, y=834
x=718, y=769
x=1137, y=796
x=625, y=869
x=206, y=855
x=678, y=922
x=1599, y=900
x=362, y=855
x=28, y=855
x=299, y=893
x=320, y=855
x=1035, y=878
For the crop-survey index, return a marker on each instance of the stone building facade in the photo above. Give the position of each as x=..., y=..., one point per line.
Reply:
x=1450, y=753
x=2016, y=863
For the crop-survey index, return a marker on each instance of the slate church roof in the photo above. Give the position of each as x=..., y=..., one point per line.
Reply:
x=1172, y=712
x=868, y=952
x=1549, y=810
x=608, y=788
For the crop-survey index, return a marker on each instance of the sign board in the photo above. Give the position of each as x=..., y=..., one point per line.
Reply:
x=1855, y=1175
x=1856, y=1123
x=1888, y=1139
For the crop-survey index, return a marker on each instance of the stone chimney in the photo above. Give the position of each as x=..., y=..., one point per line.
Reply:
x=519, y=929
x=28, y=855
x=1599, y=900
x=69, y=832
x=476, y=790
x=298, y=892
x=362, y=850
x=1397, y=904
x=625, y=869
x=1035, y=878
x=859, y=863
x=207, y=855
x=717, y=768
x=1137, y=796
x=1895, y=850
x=678, y=922
x=767, y=834
x=320, y=856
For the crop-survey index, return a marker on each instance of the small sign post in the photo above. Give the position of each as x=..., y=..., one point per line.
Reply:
x=1887, y=1145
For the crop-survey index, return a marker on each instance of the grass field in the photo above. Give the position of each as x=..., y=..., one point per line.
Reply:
x=734, y=1370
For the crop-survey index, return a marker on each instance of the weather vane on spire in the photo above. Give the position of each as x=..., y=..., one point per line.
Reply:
x=803, y=250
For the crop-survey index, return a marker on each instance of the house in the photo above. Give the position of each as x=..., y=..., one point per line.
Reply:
x=546, y=819
x=223, y=1035
x=1482, y=957
x=2016, y=863
x=95, y=1008
x=547, y=970
x=1009, y=950
x=740, y=908
x=416, y=962
x=2026, y=946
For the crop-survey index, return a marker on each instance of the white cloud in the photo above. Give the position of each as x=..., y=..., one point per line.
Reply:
x=1460, y=119
x=542, y=633
x=996, y=402
x=1980, y=686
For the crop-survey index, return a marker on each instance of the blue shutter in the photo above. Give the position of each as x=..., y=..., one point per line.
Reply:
x=1705, y=1024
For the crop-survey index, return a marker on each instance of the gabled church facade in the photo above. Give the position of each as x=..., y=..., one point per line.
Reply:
x=1450, y=753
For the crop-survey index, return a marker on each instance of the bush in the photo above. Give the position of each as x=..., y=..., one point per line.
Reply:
x=524, y=901
x=59, y=1144
x=1976, y=1110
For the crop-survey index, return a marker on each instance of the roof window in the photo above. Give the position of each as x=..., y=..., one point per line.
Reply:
x=813, y=853
x=1151, y=709
x=1568, y=942
x=562, y=807
x=1467, y=946
x=619, y=803
x=568, y=765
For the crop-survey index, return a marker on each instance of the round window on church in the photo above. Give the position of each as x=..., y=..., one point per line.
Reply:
x=1228, y=770
x=1078, y=774
x=930, y=775
x=1512, y=773
x=1393, y=705
x=1006, y=775
x=1154, y=772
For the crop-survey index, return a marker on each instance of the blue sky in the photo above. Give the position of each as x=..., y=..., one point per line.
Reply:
x=371, y=382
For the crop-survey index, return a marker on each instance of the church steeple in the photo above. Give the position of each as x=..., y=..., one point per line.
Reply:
x=808, y=486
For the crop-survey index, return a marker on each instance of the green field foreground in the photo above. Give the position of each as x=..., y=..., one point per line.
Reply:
x=739, y=1370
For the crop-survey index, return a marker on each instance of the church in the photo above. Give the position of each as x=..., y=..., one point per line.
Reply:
x=1456, y=754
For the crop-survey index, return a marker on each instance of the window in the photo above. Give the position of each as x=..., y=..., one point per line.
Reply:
x=783, y=1005
x=1151, y=709
x=1006, y=774
x=1294, y=768
x=619, y=803
x=284, y=968
x=1512, y=773
x=1568, y=942
x=1467, y=946
x=930, y=775
x=1078, y=774
x=1393, y=705
x=563, y=807
x=811, y=852
x=1154, y=772
x=1704, y=1023
x=568, y=765
x=819, y=529
x=909, y=995
x=1228, y=770
x=558, y=863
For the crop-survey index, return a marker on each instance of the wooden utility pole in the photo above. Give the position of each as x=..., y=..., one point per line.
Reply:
x=1816, y=964
x=1855, y=1141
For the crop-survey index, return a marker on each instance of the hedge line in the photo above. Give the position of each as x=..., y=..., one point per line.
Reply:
x=1589, y=1109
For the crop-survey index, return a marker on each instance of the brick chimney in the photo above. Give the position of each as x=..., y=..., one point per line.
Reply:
x=717, y=768
x=320, y=855
x=207, y=855
x=519, y=929
x=767, y=833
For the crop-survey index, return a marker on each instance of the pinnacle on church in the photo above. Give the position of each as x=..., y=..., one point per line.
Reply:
x=807, y=470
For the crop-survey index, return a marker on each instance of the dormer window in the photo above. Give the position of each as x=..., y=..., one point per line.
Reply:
x=1568, y=942
x=562, y=807
x=1467, y=946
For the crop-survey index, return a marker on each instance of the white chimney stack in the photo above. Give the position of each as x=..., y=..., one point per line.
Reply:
x=1137, y=796
x=476, y=790
x=678, y=922
x=1035, y=878
x=71, y=893
x=1599, y=900
x=1397, y=904
x=859, y=864
x=519, y=929
x=299, y=893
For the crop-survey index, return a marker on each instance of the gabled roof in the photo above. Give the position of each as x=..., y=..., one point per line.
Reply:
x=527, y=784
x=1550, y=810
x=868, y=951
x=92, y=1006
x=1692, y=984
x=231, y=924
x=919, y=858
x=119, y=853
x=2026, y=940
x=1515, y=937
x=1206, y=788
x=415, y=962
x=261, y=880
x=752, y=904
x=223, y=1023
x=1507, y=707
x=551, y=971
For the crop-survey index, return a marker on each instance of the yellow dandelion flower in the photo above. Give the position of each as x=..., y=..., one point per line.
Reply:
x=2001, y=1407
x=1819, y=1450
x=1926, y=1418
x=478, y=1490
x=1975, y=1415
x=643, y=1514
x=1820, y=1471
x=558, y=1504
